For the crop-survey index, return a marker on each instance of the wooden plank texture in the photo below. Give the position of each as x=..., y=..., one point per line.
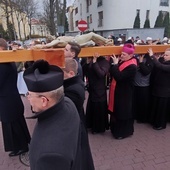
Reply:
x=56, y=56
x=53, y=56
x=109, y=50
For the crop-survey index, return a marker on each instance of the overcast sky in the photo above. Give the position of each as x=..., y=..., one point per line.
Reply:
x=69, y=2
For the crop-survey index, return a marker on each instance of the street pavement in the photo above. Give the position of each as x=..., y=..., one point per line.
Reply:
x=147, y=149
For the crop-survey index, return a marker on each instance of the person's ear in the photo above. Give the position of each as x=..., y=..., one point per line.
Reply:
x=44, y=101
x=71, y=73
x=73, y=53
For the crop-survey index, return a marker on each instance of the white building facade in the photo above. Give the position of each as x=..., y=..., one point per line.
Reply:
x=38, y=28
x=102, y=15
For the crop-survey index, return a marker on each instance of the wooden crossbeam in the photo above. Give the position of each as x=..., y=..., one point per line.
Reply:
x=109, y=50
x=53, y=56
x=56, y=56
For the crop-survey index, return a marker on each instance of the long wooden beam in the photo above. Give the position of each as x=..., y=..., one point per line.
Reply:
x=109, y=50
x=56, y=56
x=53, y=56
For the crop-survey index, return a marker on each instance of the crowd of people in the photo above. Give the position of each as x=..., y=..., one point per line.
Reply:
x=60, y=138
x=139, y=89
x=138, y=41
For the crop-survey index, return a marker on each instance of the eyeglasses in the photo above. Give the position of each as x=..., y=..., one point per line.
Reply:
x=35, y=95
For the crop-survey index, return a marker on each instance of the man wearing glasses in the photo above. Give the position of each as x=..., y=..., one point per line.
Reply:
x=55, y=142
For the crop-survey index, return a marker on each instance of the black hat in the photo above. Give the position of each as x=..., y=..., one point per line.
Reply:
x=42, y=77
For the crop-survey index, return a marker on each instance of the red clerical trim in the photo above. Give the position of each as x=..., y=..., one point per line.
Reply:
x=113, y=83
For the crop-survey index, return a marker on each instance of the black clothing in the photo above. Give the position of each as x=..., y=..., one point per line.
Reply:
x=142, y=90
x=14, y=127
x=74, y=89
x=121, y=121
x=56, y=140
x=142, y=103
x=97, y=116
x=124, y=90
x=161, y=81
x=160, y=111
x=42, y=77
x=160, y=93
x=96, y=110
x=16, y=135
x=28, y=64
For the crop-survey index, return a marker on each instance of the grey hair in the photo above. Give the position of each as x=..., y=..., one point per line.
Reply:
x=56, y=94
x=71, y=65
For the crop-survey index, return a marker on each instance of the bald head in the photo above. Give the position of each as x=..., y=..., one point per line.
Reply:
x=71, y=68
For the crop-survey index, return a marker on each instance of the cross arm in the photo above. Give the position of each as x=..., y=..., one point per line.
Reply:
x=56, y=56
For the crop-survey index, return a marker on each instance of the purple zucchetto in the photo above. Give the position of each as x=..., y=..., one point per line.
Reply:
x=128, y=48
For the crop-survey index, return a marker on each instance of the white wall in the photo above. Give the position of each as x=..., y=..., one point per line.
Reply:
x=118, y=14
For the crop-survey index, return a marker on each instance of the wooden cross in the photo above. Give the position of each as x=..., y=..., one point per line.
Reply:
x=56, y=56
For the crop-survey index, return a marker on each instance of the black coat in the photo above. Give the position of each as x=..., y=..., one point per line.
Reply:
x=56, y=138
x=96, y=73
x=11, y=106
x=74, y=89
x=161, y=78
x=124, y=90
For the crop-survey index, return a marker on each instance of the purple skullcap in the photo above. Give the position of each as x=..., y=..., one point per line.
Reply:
x=128, y=48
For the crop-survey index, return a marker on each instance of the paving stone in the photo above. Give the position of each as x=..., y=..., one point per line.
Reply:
x=147, y=149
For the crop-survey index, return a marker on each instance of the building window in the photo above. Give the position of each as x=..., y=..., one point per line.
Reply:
x=87, y=9
x=99, y=3
x=88, y=2
x=147, y=14
x=164, y=2
x=76, y=23
x=76, y=10
x=81, y=9
x=100, y=21
x=88, y=21
x=164, y=13
x=90, y=18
